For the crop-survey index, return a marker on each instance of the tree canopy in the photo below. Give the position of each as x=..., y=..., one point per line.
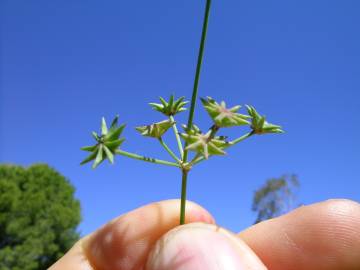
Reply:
x=38, y=217
x=275, y=197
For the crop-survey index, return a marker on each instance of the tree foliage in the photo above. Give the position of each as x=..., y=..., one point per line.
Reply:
x=275, y=197
x=38, y=217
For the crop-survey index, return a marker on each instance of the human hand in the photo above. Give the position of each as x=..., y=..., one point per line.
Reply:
x=322, y=236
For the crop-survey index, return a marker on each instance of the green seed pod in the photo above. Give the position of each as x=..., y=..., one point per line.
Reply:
x=170, y=108
x=106, y=144
x=222, y=116
x=193, y=131
x=203, y=143
x=259, y=124
x=155, y=130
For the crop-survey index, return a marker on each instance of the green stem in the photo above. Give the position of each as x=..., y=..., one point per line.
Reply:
x=178, y=140
x=147, y=159
x=247, y=135
x=198, y=69
x=183, y=196
x=214, y=129
x=169, y=151
x=197, y=156
x=196, y=160
x=192, y=107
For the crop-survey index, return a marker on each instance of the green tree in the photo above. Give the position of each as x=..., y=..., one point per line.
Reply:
x=275, y=197
x=38, y=217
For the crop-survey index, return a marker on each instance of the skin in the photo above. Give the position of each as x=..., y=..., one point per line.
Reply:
x=323, y=236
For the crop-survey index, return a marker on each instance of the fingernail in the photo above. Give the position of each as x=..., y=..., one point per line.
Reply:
x=200, y=246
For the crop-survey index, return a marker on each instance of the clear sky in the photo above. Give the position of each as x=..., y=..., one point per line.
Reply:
x=64, y=64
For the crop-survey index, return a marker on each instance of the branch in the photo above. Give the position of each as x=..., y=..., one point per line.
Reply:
x=178, y=140
x=147, y=159
x=169, y=151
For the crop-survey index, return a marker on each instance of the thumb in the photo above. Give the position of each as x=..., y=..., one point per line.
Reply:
x=199, y=246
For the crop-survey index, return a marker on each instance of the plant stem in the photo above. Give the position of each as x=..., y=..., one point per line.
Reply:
x=147, y=159
x=192, y=107
x=247, y=135
x=197, y=156
x=214, y=129
x=183, y=196
x=169, y=151
x=178, y=140
x=198, y=69
x=196, y=160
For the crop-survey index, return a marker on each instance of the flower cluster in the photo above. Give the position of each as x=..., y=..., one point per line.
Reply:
x=204, y=144
x=155, y=130
x=259, y=124
x=222, y=116
x=106, y=144
x=170, y=108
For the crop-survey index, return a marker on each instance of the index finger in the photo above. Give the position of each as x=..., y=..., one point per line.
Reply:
x=322, y=236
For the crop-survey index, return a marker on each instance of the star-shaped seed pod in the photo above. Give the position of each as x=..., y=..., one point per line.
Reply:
x=155, y=130
x=106, y=143
x=193, y=131
x=259, y=125
x=222, y=116
x=170, y=108
x=203, y=143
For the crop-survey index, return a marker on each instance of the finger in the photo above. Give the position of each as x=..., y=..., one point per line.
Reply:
x=200, y=246
x=320, y=236
x=124, y=243
x=74, y=259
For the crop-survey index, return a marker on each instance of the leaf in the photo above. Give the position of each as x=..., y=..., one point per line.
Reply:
x=104, y=129
x=164, y=103
x=261, y=122
x=171, y=101
x=113, y=145
x=235, y=108
x=156, y=106
x=99, y=157
x=89, y=148
x=114, y=123
x=115, y=133
x=215, y=150
x=89, y=158
x=178, y=102
x=109, y=155
x=95, y=135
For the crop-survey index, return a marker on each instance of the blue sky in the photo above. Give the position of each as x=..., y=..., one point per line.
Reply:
x=65, y=64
